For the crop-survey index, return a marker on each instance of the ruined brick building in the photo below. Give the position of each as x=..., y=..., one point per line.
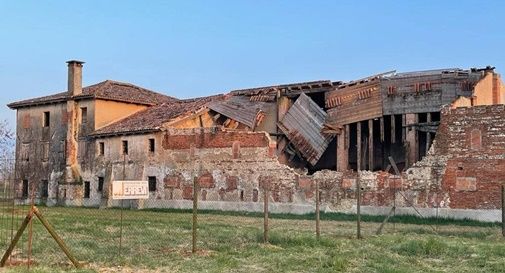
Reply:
x=445, y=129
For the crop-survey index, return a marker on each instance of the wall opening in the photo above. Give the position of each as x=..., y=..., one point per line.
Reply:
x=151, y=180
x=100, y=184
x=44, y=191
x=46, y=119
x=151, y=145
x=87, y=189
x=101, y=148
x=125, y=147
x=84, y=115
x=25, y=188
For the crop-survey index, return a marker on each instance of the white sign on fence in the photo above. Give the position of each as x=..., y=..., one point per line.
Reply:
x=130, y=190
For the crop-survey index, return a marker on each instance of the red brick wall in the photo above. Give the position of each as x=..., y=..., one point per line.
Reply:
x=476, y=168
x=220, y=139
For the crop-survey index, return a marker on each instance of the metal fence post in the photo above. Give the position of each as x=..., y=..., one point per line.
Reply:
x=265, y=212
x=318, y=227
x=358, y=208
x=503, y=210
x=195, y=214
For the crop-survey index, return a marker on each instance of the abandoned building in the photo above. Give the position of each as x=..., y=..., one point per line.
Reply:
x=444, y=130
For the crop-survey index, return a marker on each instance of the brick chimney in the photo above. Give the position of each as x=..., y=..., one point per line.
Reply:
x=74, y=77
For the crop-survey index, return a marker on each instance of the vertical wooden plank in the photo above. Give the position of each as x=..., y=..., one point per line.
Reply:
x=358, y=143
x=347, y=135
x=404, y=129
x=428, y=134
x=381, y=120
x=370, y=145
x=393, y=130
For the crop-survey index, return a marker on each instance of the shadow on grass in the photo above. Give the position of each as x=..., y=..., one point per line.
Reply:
x=336, y=216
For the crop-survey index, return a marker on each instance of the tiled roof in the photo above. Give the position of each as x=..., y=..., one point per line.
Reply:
x=152, y=118
x=108, y=90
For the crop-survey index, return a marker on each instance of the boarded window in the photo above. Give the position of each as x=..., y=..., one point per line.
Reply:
x=26, y=121
x=25, y=188
x=100, y=184
x=44, y=191
x=87, y=189
x=46, y=119
x=152, y=183
x=101, y=148
x=45, y=151
x=255, y=195
x=84, y=114
x=475, y=139
x=24, y=152
x=466, y=184
x=151, y=145
x=125, y=147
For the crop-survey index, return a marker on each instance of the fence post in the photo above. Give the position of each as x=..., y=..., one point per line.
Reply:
x=318, y=227
x=503, y=210
x=195, y=209
x=265, y=211
x=358, y=208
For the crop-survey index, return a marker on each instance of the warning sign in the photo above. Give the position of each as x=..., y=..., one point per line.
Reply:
x=130, y=190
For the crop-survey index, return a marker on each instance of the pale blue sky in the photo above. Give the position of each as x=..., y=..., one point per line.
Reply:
x=196, y=48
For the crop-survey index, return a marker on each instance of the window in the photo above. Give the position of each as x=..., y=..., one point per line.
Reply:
x=86, y=189
x=151, y=145
x=25, y=188
x=125, y=147
x=46, y=118
x=152, y=183
x=84, y=114
x=100, y=184
x=101, y=148
x=44, y=191
x=45, y=151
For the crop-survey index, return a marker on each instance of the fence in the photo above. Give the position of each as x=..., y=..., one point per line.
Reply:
x=121, y=234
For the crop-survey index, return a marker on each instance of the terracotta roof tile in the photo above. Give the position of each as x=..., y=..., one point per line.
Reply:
x=108, y=90
x=152, y=118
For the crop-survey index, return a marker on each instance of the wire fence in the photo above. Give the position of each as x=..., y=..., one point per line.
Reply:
x=150, y=233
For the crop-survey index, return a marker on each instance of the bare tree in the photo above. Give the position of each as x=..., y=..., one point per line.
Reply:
x=7, y=145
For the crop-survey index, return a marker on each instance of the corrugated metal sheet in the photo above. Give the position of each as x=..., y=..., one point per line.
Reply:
x=302, y=125
x=239, y=108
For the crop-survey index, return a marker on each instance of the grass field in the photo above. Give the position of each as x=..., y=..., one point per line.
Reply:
x=160, y=241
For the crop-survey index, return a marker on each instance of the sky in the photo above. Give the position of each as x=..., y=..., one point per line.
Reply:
x=197, y=48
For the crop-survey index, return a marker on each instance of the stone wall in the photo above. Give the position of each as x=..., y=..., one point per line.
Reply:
x=461, y=173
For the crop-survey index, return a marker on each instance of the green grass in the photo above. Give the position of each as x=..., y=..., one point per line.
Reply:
x=160, y=241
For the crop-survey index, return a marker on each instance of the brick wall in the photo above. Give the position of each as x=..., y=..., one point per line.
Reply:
x=474, y=140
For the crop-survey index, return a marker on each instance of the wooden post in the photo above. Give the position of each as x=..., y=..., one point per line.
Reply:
x=358, y=207
x=318, y=227
x=428, y=134
x=381, y=127
x=265, y=211
x=503, y=210
x=358, y=143
x=393, y=130
x=370, y=145
x=57, y=238
x=195, y=214
x=16, y=238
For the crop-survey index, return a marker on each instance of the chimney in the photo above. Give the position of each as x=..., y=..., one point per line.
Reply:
x=74, y=77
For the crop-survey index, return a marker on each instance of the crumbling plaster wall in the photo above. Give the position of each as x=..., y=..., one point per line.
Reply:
x=40, y=151
x=231, y=165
